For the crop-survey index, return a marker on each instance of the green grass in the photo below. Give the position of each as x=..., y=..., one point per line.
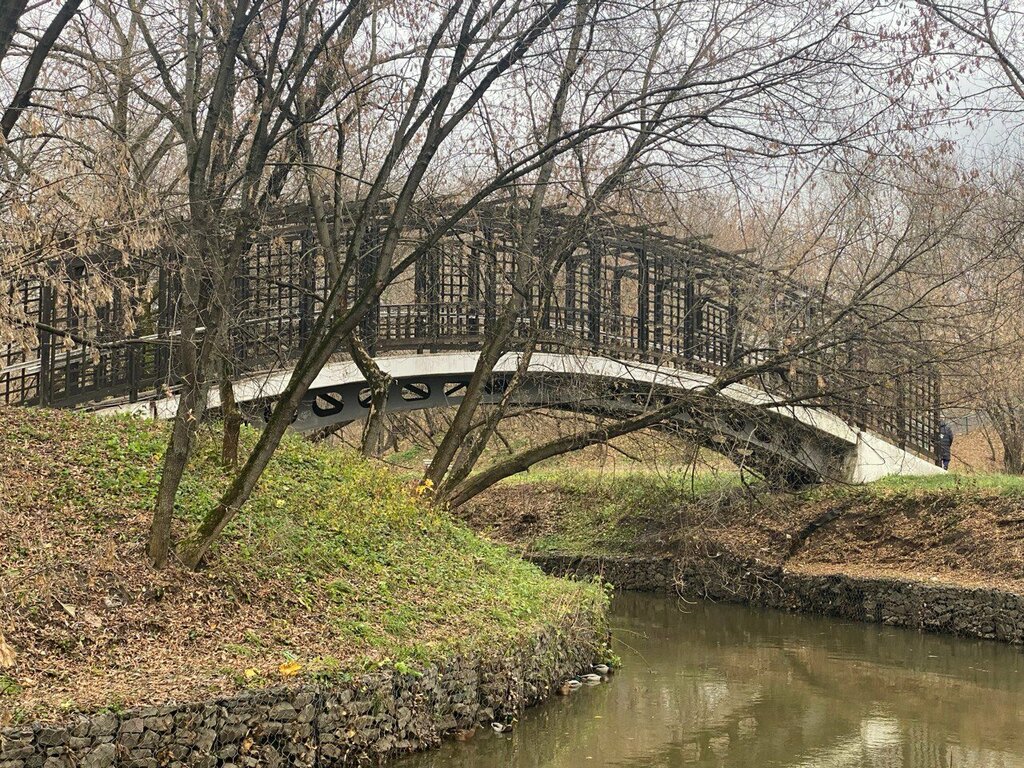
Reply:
x=680, y=480
x=334, y=539
x=622, y=513
x=1009, y=485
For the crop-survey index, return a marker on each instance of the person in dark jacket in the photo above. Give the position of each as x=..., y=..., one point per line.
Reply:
x=943, y=442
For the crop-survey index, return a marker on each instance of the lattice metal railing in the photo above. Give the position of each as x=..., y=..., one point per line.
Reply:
x=643, y=297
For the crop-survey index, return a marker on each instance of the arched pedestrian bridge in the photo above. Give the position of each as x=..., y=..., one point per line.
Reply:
x=639, y=317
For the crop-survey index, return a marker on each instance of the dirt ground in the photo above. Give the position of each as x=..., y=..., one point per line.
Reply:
x=967, y=537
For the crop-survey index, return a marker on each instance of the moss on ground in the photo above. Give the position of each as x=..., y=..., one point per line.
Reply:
x=334, y=565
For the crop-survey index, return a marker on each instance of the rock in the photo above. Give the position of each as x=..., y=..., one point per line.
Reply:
x=160, y=724
x=282, y=711
x=52, y=737
x=102, y=756
x=205, y=740
x=134, y=725
x=149, y=740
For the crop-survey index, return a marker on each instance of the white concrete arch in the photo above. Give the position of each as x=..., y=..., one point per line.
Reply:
x=815, y=441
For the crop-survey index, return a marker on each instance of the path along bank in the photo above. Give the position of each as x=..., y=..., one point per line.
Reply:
x=942, y=556
x=340, y=620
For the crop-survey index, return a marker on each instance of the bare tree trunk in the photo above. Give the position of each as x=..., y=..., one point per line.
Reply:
x=464, y=418
x=471, y=450
x=195, y=364
x=175, y=460
x=10, y=13
x=1007, y=421
x=23, y=97
x=1007, y=418
x=1013, y=457
x=191, y=403
x=232, y=417
x=497, y=342
x=379, y=384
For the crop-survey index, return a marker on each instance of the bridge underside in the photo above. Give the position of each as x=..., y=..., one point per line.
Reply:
x=786, y=444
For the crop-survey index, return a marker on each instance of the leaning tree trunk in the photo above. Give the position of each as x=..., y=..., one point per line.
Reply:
x=191, y=404
x=484, y=479
x=232, y=417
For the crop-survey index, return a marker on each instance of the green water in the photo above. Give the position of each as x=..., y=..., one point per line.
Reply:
x=720, y=685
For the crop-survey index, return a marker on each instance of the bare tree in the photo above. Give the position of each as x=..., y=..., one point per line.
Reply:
x=976, y=46
x=882, y=256
x=486, y=42
x=693, y=112
x=229, y=56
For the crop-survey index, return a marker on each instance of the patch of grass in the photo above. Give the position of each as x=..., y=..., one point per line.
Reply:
x=334, y=559
x=622, y=512
x=949, y=485
x=327, y=523
x=1008, y=485
x=407, y=455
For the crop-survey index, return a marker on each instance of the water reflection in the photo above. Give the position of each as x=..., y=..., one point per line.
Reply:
x=712, y=685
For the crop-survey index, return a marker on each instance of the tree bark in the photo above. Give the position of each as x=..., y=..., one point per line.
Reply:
x=232, y=418
x=23, y=96
x=192, y=399
x=10, y=13
x=379, y=384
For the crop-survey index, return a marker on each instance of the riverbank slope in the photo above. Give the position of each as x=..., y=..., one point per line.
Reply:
x=940, y=554
x=336, y=580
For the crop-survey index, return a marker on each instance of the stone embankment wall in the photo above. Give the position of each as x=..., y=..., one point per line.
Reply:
x=653, y=574
x=935, y=607
x=365, y=720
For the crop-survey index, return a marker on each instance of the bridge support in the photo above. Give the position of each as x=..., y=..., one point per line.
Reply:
x=793, y=445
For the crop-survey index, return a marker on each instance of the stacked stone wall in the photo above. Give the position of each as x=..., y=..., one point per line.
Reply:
x=987, y=613
x=365, y=720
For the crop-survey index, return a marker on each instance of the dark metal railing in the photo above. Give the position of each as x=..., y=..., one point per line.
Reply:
x=693, y=325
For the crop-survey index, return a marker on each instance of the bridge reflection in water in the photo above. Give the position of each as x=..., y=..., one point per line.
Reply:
x=733, y=687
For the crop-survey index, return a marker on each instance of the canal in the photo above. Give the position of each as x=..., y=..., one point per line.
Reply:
x=725, y=685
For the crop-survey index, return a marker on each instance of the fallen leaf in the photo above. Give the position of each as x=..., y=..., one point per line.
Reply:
x=92, y=619
x=289, y=668
x=250, y=673
x=70, y=609
x=6, y=653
